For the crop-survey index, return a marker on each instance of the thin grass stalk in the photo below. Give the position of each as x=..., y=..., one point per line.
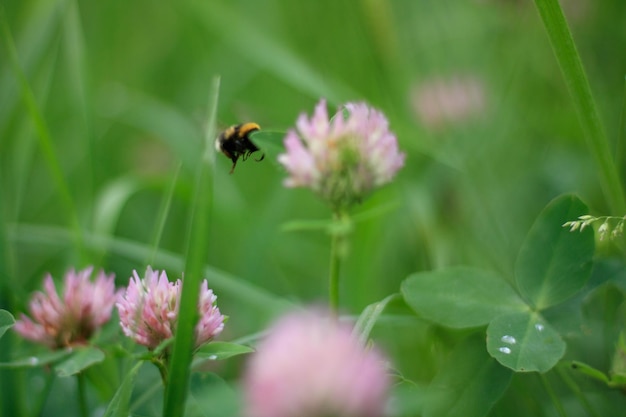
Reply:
x=74, y=38
x=43, y=133
x=83, y=408
x=334, y=270
x=40, y=401
x=342, y=225
x=578, y=393
x=176, y=391
x=578, y=86
x=9, y=390
x=553, y=396
x=620, y=148
x=164, y=209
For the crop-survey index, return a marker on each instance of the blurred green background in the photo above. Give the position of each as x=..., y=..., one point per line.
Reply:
x=471, y=89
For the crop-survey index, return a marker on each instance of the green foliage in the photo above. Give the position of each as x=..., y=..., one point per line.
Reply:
x=469, y=383
x=369, y=316
x=216, y=351
x=460, y=296
x=271, y=144
x=211, y=396
x=553, y=263
x=200, y=210
x=524, y=342
x=6, y=321
x=39, y=360
x=615, y=381
x=120, y=403
x=578, y=85
x=79, y=360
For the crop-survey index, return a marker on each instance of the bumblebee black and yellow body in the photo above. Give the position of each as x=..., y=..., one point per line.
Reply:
x=235, y=142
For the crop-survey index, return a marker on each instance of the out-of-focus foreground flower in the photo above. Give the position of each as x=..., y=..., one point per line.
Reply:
x=149, y=310
x=59, y=322
x=312, y=366
x=342, y=159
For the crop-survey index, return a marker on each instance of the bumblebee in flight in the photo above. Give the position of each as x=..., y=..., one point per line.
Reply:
x=235, y=142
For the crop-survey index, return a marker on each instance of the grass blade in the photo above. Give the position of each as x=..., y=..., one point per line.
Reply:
x=76, y=58
x=164, y=209
x=179, y=370
x=578, y=86
x=43, y=133
x=120, y=404
x=369, y=317
x=620, y=149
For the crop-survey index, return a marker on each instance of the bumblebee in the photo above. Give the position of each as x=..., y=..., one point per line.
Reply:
x=235, y=142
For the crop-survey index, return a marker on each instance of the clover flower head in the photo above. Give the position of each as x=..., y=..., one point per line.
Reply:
x=311, y=366
x=149, y=310
x=342, y=159
x=73, y=317
x=440, y=102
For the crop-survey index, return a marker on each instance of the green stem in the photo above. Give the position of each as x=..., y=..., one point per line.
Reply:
x=143, y=397
x=164, y=209
x=555, y=399
x=338, y=248
x=578, y=86
x=12, y=388
x=40, y=401
x=197, y=253
x=82, y=395
x=576, y=390
x=335, y=266
x=620, y=148
x=161, y=365
x=43, y=133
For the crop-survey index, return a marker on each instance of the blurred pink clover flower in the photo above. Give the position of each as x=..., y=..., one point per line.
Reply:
x=71, y=319
x=311, y=366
